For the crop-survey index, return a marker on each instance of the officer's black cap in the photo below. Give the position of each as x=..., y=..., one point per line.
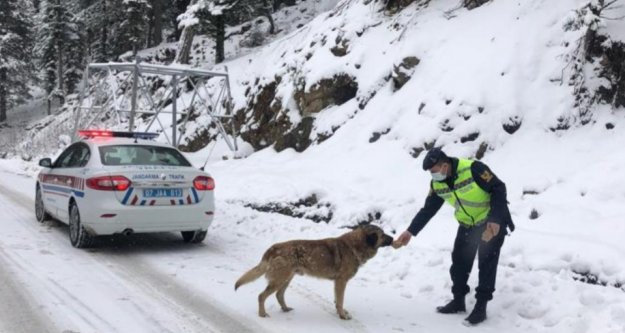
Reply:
x=433, y=156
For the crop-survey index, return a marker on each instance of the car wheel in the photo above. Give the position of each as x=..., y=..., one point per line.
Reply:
x=196, y=236
x=40, y=209
x=78, y=236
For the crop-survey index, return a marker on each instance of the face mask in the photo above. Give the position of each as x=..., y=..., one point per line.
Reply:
x=438, y=176
x=441, y=175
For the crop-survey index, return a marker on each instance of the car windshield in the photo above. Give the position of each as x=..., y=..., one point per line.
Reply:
x=141, y=155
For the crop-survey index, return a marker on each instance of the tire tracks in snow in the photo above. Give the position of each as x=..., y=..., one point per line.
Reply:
x=200, y=312
x=17, y=309
x=198, y=308
x=62, y=297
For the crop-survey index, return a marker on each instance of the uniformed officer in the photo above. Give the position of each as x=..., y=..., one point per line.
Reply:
x=481, y=208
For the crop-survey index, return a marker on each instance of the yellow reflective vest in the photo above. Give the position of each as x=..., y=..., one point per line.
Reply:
x=471, y=202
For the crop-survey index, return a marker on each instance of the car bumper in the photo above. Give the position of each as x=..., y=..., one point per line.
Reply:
x=104, y=220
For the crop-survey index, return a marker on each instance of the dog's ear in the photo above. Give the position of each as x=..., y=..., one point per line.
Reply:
x=372, y=239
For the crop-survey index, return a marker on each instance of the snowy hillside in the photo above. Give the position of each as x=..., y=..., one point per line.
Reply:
x=337, y=115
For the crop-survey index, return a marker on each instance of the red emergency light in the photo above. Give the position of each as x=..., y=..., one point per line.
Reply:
x=114, y=134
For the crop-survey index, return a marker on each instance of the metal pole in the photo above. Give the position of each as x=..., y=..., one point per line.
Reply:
x=174, y=86
x=135, y=81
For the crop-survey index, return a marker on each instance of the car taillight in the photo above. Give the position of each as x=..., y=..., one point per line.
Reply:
x=109, y=183
x=203, y=183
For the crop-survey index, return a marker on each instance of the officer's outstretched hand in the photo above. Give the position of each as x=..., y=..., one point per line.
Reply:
x=402, y=240
x=492, y=229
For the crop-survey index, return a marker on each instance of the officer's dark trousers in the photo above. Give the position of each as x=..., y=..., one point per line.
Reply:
x=468, y=242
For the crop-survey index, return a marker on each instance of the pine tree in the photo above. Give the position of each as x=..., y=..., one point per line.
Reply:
x=178, y=8
x=101, y=19
x=212, y=17
x=133, y=28
x=59, y=48
x=156, y=23
x=16, y=70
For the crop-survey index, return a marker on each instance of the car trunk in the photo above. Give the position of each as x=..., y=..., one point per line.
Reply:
x=161, y=186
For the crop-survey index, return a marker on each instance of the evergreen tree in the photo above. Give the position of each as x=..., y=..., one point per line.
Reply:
x=156, y=22
x=59, y=48
x=16, y=70
x=177, y=8
x=101, y=20
x=133, y=29
x=212, y=17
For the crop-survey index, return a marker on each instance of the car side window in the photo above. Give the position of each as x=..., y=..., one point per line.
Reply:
x=64, y=159
x=80, y=156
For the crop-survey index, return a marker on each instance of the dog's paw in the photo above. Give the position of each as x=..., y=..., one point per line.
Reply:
x=287, y=309
x=345, y=315
x=263, y=315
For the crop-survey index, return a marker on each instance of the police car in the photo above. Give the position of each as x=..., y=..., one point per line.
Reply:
x=119, y=182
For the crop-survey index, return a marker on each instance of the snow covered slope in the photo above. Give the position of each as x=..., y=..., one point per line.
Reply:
x=504, y=82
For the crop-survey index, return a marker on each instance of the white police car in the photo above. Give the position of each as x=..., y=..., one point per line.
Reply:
x=119, y=182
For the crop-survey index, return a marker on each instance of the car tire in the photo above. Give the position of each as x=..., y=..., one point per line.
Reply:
x=196, y=236
x=78, y=236
x=40, y=208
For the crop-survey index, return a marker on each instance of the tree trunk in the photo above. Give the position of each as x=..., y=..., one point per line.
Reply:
x=156, y=24
x=220, y=38
x=3, y=94
x=185, y=42
x=103, y=35
x=184, y=45
x=60, y=65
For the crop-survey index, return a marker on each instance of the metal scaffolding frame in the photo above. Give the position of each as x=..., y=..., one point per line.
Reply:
x=106, y=89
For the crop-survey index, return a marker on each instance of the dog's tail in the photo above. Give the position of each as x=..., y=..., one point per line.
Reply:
x=251, y=275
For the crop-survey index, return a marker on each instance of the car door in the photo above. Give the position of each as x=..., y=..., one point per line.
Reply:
x=71, y=177
x=58, y=182
x=53, y=191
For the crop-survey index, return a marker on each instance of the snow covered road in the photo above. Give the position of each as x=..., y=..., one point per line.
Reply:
x=53, y=287
x=157, y=283
x=123, y=284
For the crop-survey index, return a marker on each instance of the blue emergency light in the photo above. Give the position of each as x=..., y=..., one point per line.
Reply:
x=116, y=134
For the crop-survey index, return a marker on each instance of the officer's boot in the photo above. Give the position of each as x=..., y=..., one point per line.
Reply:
x=454, y=306
x=478, y=314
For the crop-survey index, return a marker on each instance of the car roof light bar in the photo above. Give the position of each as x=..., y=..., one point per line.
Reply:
x=116, y=134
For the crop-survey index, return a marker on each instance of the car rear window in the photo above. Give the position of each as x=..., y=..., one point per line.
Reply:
x=141, y=155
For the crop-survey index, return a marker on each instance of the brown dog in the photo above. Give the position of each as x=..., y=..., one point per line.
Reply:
x=336, y=259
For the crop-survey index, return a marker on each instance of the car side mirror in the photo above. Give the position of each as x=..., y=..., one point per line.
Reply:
x=45, y=162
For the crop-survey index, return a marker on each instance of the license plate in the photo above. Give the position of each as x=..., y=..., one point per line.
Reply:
x=162, y=193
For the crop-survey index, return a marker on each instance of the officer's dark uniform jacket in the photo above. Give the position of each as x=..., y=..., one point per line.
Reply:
x=486, y=180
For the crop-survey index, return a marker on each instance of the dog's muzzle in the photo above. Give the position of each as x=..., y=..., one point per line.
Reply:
x=388, y=240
